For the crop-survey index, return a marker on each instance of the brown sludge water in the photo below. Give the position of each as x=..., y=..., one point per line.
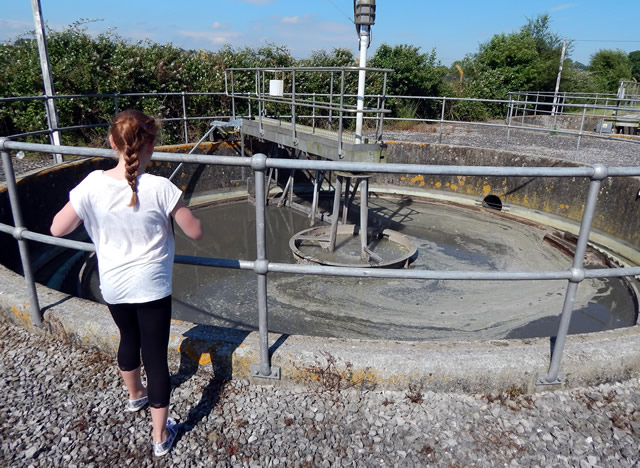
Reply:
x=448, y=238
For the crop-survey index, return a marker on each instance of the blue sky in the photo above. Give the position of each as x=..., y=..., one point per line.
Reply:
x=453, y=28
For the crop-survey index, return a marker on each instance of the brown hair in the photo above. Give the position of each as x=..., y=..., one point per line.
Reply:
x=131, y=131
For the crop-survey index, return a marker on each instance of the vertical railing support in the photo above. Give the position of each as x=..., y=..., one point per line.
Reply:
x=331, y=100
x=233, y=98
x=577, y=275
x=293, y=107
x=509, y=117
x=444, y=103
x=381, y=107
x=261, y=267
x=340, y=155
x=313, y=114
x=184, y=119
x=584, y=112
x=23, y=247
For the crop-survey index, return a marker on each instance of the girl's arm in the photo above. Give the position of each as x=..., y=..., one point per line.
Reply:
x=65, y=221
x=187, y=221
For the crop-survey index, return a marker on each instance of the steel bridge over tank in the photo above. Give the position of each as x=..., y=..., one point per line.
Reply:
x=316, y=125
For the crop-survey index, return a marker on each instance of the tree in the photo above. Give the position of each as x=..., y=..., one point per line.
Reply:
x=634, y=58
x=608, y=67
x=415, y=74
x=526, y=60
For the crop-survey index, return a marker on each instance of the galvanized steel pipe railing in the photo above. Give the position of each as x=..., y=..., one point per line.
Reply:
x=261, y=266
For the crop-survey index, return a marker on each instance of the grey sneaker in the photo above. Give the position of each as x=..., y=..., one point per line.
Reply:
x=162, y=448
x=137, y=405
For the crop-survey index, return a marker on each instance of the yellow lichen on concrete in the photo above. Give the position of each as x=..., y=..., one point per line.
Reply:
x=486, y=189
x=22, y=315
x=453, y=187
x=438, y=184
x=417, y=178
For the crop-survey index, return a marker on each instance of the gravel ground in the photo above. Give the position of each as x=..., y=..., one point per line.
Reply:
x=613, y=152
x=63, y=405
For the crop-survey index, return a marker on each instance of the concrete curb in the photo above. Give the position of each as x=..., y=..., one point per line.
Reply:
x=472, y=366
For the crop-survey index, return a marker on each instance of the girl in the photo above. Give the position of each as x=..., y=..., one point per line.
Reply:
x=126, y=213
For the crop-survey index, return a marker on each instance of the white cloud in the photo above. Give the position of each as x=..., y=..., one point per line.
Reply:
x=219, y=25
x=297, y=19
x=291, y=19
x=565, y=6
x=216, y=38
x=10, y=29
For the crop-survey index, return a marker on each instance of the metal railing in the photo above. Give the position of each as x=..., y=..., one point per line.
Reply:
x=259, y=163
x=184, y=118
x=329, y=108
x=335, y=103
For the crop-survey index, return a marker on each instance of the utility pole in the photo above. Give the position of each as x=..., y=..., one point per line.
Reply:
x=47, y=79
x=555, y=94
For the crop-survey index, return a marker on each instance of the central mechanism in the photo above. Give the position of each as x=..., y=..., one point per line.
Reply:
x=338, y=244
x=288, y=116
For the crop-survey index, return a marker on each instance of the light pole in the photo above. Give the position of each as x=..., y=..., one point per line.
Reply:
x=555, y=94
x=47, y=80
x=365, y=17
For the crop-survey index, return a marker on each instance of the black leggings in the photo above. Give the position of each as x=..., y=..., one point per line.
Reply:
x=145, y=327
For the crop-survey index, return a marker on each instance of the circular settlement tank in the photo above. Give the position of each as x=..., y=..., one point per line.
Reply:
x=448, y=237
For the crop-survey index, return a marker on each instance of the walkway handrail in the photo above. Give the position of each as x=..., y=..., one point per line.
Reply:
x=515, y=109
x=261, y=266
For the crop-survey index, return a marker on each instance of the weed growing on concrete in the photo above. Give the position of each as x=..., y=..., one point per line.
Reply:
x=330, y=377
x=414, y=394
x=514, y=397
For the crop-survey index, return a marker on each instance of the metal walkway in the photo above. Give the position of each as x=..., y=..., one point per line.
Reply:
x=327, y=144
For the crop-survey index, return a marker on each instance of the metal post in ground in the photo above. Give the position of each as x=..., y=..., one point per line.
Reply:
x=184, y=119
x=577, y=275
x=23, y=247
x=340, y=156
x=444, y=102
x=261, y=267
x=509, y=119
x=584, y=111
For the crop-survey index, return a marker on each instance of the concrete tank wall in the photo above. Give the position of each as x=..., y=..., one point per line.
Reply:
x=466, y=366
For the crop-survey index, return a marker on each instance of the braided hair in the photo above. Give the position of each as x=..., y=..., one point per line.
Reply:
x=131, y=131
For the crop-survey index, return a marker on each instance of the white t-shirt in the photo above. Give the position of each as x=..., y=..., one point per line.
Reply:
x=134, y=244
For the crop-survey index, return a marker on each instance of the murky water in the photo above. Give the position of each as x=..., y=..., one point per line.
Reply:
x=448, y=238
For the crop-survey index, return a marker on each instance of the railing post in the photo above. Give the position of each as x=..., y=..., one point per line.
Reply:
x=184, y=119
x=293, y=106
x=381, y=117
x=509, y=117
x=313, y=113
x=577, y=275
x=584, y=111
x=444, y=103
x=261, y=267
x=341, y=115
x=233, y=98
x=331, y=100
x=23, y=247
